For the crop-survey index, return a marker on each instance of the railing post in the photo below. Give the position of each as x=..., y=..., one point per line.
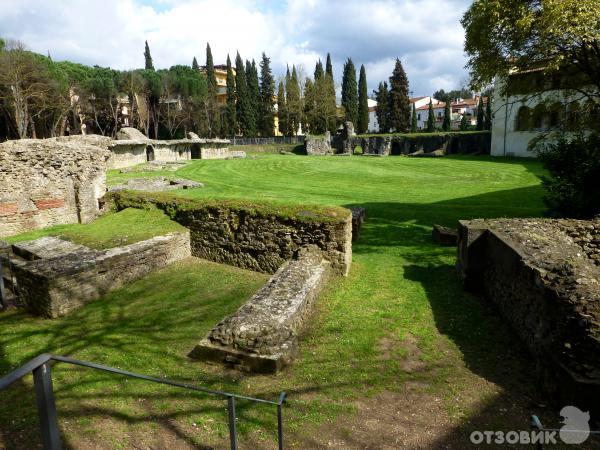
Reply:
x=232, y=427
x=280, y=420
x=44, y=395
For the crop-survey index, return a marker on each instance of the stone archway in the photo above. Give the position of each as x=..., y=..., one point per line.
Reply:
x=149, y=153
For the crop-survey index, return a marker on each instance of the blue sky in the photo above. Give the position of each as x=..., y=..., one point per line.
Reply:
x=425, y=34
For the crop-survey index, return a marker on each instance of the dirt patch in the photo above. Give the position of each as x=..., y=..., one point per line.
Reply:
x=406, y=350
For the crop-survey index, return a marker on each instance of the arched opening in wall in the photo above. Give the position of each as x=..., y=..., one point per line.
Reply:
x=357, y=150
x=396, y=148
x=149, y=153
x=523, y=119
x=592, y=112
x=556, y=115
x=195, y=151
x=539, y=118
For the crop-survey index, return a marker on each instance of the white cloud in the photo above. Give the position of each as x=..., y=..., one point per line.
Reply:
x=425, y=34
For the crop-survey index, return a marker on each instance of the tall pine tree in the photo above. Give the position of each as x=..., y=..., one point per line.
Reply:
x=195, y=65
x=213, y=113
x=446, y=124
x=350, y=92
x=309, y=107
x=362, y=124
x=430, y=118
x=148, y=58
x=318, y=70
x=267, y=92
x=480, y=115
x=230, y=108
x=253, y=95
x=282, y=113
x=413, y=119
x=488, y=113
x=464, y=124
x=381, y=97
x=245, y=116
x=399, y=101
x=331, y=102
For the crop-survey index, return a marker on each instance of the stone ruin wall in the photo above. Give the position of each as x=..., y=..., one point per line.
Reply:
x=247, y=238
x=53, y=181
x=544, y=278
x=450, y=143
x=56, y=285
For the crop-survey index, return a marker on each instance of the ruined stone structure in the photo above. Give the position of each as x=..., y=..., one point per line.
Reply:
x=262, y=335
x=53, y=181
x=544, y=278
x=132, y=147
x=449, y=143
x=252, y=236
x=157, y=184
x=54, y=277
x=318, y=145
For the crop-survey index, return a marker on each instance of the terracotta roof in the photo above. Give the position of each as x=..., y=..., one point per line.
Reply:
x=437, y=106
x=416, y=99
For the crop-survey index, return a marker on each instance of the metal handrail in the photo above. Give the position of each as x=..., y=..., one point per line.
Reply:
x=42, y=377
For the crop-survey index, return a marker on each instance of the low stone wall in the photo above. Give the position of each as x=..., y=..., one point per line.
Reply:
x=47, y=182
x=543, y=276
x=318, y=145
x=450, y=143
x=258, y=237
x=55, y=285
x=262, y=336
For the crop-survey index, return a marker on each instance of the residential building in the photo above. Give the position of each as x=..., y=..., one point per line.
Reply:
x=373, y=124
x=221, y=77
x=459, y=107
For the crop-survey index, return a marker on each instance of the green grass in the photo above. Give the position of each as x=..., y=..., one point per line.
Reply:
x=400, y=285
x=111, y=230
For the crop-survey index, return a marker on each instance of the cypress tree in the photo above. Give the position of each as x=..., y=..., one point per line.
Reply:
x=253, y=95
x=243, y=106
x=350, y=91
x=211, y=79
x=282, y=113
x=267, y=92
x=318, y=70
x=381, y=97
x=488, y=114
x=213, y=114
x=331, y=102
x=413, y=119
x=399, y=101
x=230, y=108
x=430, y=118
x=362, y=124
x=480, y=115
x=148, y=58
x=464, y=125
x=447, y=118
x=294, y=103
x=195, y=65
x=309, y=107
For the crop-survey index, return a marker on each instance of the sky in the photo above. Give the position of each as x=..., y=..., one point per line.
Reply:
x=425, y=34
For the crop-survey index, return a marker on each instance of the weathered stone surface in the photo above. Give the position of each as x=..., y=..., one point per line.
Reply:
x=249, y=237
x=46, y=247
x=358, y=217
x=237, y=153
x=51, y=181
x=157, y=184
x=128, y=134
x=262, y=336
x=444, y=235
x=192, y=135
x=375, y=146
x=318, y=145
x=544, y=278
x=54, y=286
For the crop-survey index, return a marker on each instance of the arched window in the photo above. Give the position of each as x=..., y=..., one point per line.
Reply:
x=539, y=117
x=592, y=111
x=556, y=115
x=523, y=119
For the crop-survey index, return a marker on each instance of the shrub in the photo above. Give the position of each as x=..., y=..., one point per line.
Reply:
x=573, y=190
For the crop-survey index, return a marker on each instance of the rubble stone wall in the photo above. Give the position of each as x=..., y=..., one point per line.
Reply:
x=543, y=277
x=53, y=181
x=262, y=335
x=52, y=287
x=252, y=236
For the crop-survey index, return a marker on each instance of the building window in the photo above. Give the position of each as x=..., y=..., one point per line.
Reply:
x=556, y=115
x=539, y=118
x=419, y=116
x=573, y=116
x=523, y=119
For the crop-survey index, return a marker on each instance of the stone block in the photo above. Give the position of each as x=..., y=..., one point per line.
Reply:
x=444, y=235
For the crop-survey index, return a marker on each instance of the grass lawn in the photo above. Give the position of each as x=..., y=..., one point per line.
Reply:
x=398, y=334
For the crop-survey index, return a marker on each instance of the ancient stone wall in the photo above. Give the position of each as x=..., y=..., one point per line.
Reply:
x=58, y=283
x=543, y=276
x=53, y=181
x=262, y=336
x=318, y=145
x=252, y=236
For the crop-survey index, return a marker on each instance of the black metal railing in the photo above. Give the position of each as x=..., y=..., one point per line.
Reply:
x=44, y=393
